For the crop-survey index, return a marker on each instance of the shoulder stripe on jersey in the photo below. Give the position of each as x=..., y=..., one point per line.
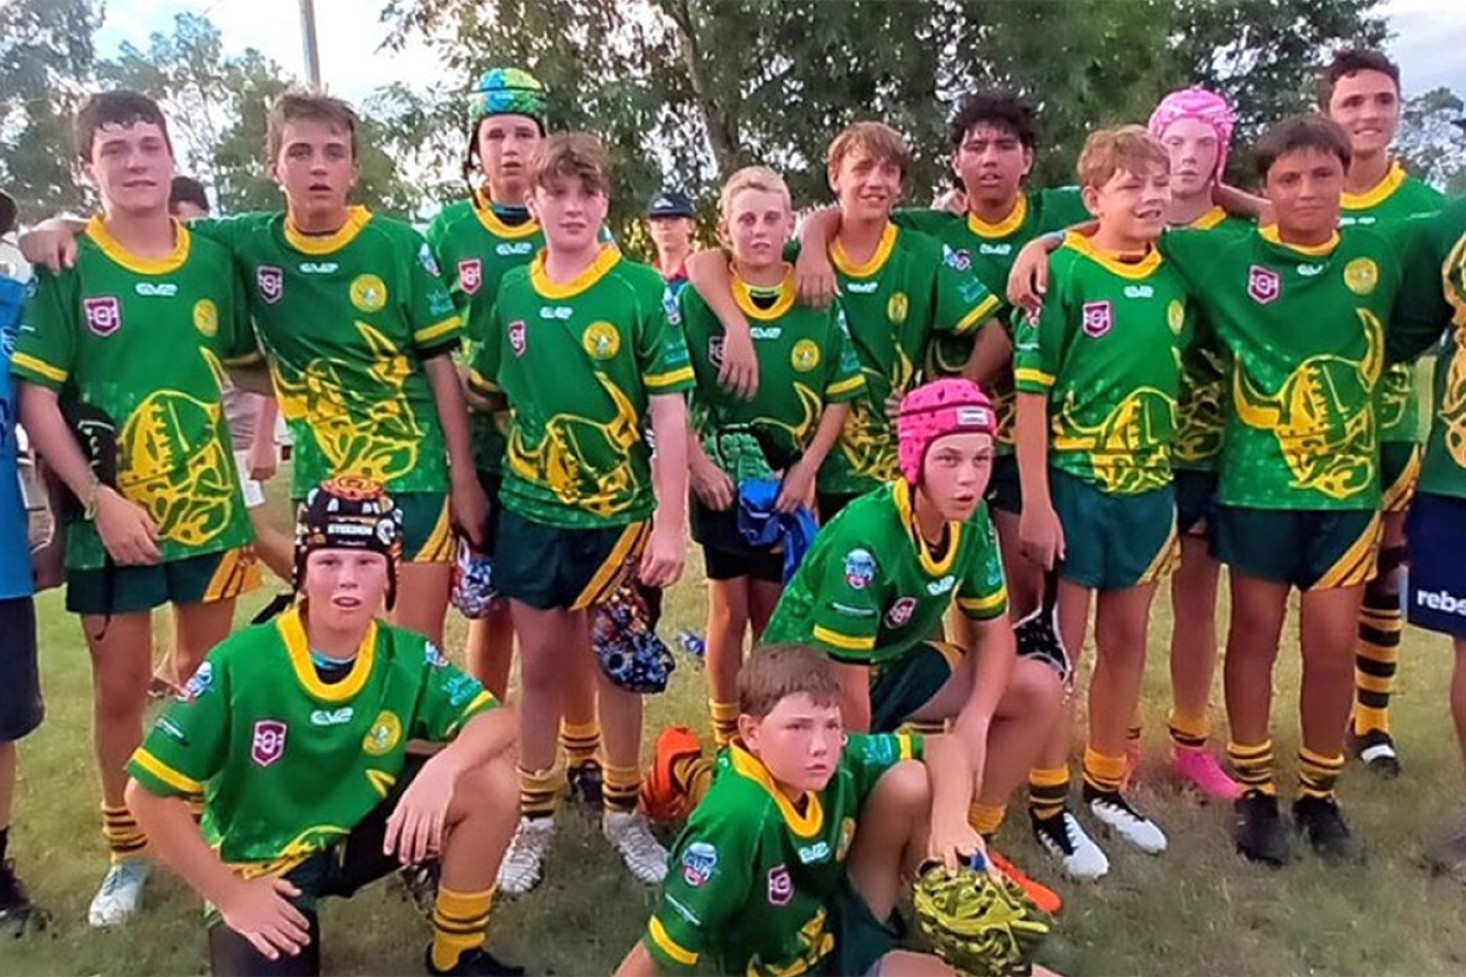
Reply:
x=983, y=311
x=166, y=774
x=845, y=386
x=27, y=362
x=837, y=640
x=667, y=945
x=1028, y=375
x=437, y=330
x=661, y=380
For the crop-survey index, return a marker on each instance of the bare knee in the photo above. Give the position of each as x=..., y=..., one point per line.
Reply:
x=1034, y=689
x=491, y=786
x=905, y=787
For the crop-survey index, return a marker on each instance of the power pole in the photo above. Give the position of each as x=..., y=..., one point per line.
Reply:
x=308, y=37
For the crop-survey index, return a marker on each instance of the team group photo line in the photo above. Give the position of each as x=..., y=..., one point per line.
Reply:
x=930, y=459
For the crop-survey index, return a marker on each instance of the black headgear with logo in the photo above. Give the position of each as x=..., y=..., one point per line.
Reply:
x=349, y=513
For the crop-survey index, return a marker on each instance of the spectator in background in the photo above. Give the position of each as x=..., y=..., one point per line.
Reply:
x=670, y=220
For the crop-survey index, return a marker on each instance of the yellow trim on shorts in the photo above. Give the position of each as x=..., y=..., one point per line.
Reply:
x=439, y=545
x=1167, y=559
x=1400, y=492
x=952, y=653
x=157, y=768
x=667, y=945
x=845, y=643
x=1356, y=565
x=238, y=573
x=614, y=569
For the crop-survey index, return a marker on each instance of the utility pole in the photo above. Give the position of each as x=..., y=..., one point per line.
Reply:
x=308, y=37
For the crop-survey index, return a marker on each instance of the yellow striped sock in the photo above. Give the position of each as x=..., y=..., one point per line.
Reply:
x=620, y=788
x=581, y=742
x=725, y=721
x=1048, y=791
x=1317, y=773
x=986, y=819
x=1376, y=660
x=1253, y=765
x=1188, y=732
x=124, y=838
x=1103, y=772
x=459, y=923
x=539, y=791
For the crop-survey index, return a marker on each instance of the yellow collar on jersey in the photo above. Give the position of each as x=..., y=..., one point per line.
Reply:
x=606, y=259
x=483, y=208
x=930, y=565
x=356, y=219
x=1004, y=227
x=96, y=229
x=1143, y=268
x=297, y=645
x=1209, y=219
x=842, y=261
x=743, y=295
x=1270, y=235
x=806, y=825
x=1395, y=178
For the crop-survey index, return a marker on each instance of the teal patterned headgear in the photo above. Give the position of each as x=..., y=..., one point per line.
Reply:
x=508, y=91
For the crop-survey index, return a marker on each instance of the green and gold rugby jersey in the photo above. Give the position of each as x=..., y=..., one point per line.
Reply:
x=871, y=588
x=346, y=321
x=288, y=764
x=912, y=289
x=1398, y=197
x=1200, y=409
x=578, y=363
x=475, y=247
x=991, y=249
x=805, y=361
x=753, y=878
x=1304, y=332
x=1106, y=351
x=143, y=340
x=1432, y=300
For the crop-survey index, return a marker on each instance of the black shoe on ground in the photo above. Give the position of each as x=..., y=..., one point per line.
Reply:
x=1321, y=822
x=583, y=784
x=1259, y=829
x=1376, y=750
x=477, y=962
x=18, y=915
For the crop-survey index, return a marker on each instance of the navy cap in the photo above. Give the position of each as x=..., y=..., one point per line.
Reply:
x=670, y=203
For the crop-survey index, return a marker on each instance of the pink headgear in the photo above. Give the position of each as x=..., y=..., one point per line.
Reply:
x=935, y=409
x=1197, y=103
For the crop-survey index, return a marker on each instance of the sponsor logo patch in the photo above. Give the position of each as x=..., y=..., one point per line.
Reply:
x=1176, y=316
x=268, y=743
x=805, y=356
x=860, y=568
x=385, y=734
x=201, y=681
x=900, y=613
x=699, y=863
x=332, y=717
x=368, y=293
x=897, y=307
x=601, y=341
x=206, y=318
x=1361, y=275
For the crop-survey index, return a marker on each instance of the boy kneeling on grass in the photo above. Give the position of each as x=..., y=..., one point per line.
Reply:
x=296, y=733
x=795, y=858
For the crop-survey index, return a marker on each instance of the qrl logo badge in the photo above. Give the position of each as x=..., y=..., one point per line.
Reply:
x=104, y=315
x=271, y=283
x=715, y=350
x=470, y=275
x=1263, y=284
x=1099, y=318
x=269, y=742
x=900, y=613
x=517, y=338
x=781, y=886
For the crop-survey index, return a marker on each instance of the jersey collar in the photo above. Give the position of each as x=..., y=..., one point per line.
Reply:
x=1004, y=227
x=842, y=261
x=806, y=825
x=1209, y=219
x=1143, y=268
x=1270, y=235
x=1395, y=178
x=743, y=295
x=930, y=565
x=356, y=219
x=96, y=229
x=606, y=259
x=292, y=632
x=483, y=209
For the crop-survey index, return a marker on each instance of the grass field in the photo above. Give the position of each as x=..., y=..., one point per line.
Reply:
x=1199, y=909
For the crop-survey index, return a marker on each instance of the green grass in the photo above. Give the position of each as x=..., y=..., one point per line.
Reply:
x=1199, y=909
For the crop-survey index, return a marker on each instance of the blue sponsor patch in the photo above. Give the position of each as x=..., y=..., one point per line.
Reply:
x=699, y=864
x=202, y=681
x=860, y=568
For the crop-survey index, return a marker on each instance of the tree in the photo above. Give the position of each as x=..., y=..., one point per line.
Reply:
x=688, y=90
x=1430, y=140
x=46, y=57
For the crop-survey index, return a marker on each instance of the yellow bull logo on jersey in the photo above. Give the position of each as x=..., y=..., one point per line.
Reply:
x=1199, y=422
x=742, y=454
x=174, y=464
x=370, y=433
x=1452, y=408
x=1322, y=416
x=570, y=456
x=815, y=943
x=1395, y=390
x=1137, y=426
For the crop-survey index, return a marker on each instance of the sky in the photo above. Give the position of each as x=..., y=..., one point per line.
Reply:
x=1430, y=38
